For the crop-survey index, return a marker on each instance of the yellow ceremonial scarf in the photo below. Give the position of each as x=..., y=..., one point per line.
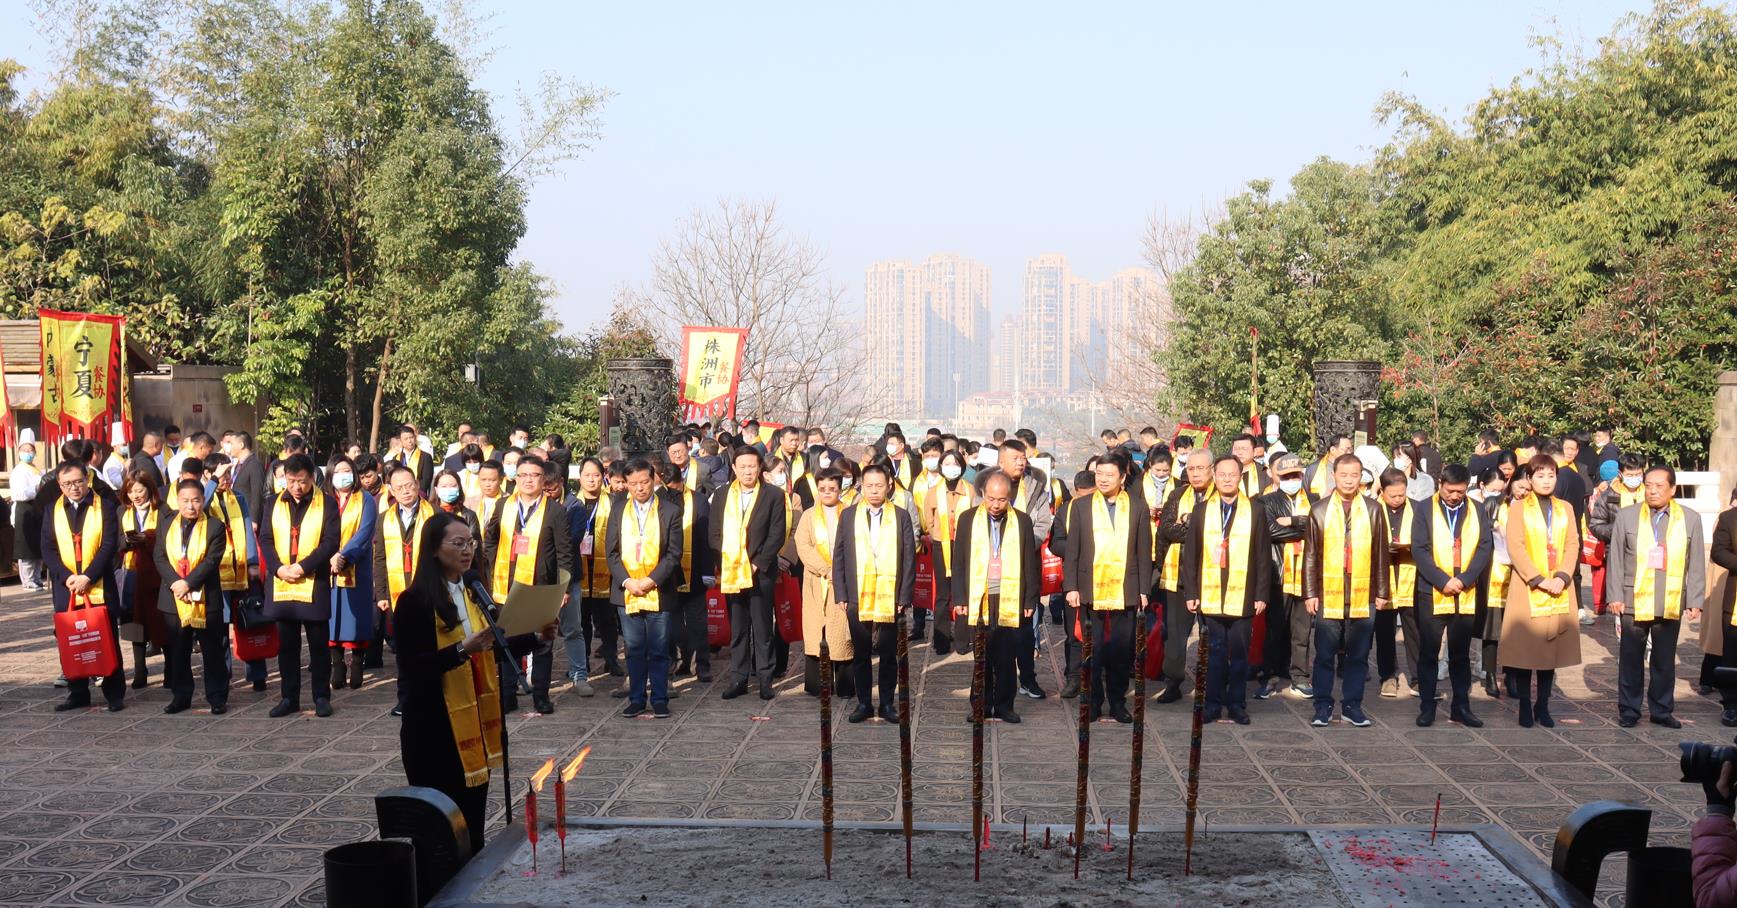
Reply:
x=350, y=520
x=510, y=568
x=78, y=550
x=1450, y=554
x=1224, y=560
x=291, y=541
x=130, y=523
x=473, y=700
x=1251, y=479
x=1676, y=544
x=596, y=569
x=192, y=609
x=877, y=564
x=1403, y=575
x=1336, y=537
x=691, y=476
x=403, y=554
x=982, y=550
x=687, y=540
x=904, y=473
x=736, y=571
x=1291, y=556
x=1498, y=594
x=1546, y=548
x=1170, y=577
x=485, y=510
x=1323, y=481
x=823, y=537
x=232, y=569
x=1109, y=552
x=947, y=509
x=639, y=552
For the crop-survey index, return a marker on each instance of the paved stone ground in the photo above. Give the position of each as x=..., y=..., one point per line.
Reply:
x=139, y=808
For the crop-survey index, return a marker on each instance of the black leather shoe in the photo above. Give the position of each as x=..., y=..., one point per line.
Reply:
x=176, y=706
x=860, y=714
x=1121, y=714
x=888, y=714
x=284, y=708
x=1210, y=716
x=1426, y=715
x=735, y=691
x=1170, y=694
x=615, y=670
x=1071, y=690
x=766, y=692
x=1007, y=715
x=1541, y=712
x=117, y=705
x=1239, y=716
x=218, y=709
x=633, y=710
x=1666, y=721
x=322, y=707
x=1729, y=718
x=1628, y=721
x=705, y=677
x=259, y=685
x=1465, y=717
x=398, y=711
x=72, y=703
x=543, y=704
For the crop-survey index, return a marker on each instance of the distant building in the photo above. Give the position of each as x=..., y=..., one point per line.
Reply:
x=1077, y=335
x=928, y=332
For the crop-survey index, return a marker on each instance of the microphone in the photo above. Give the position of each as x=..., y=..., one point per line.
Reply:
x=473, y=582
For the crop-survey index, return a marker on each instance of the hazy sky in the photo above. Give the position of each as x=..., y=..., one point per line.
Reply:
x=996, y=130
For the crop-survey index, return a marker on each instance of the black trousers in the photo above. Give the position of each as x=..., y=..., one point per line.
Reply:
x=598, y=621
x=289, y=659
x=1457, y=629
x=1302, y=641
x=1070, y=643
x=114, y=684
x=751, y=631
x=1276, y=646
x=869, y=639
x=1387, y=625
x=998, y=664
x=1112, y=654
x=1634, y=676
x=1025, y=650
x=944, y=634
x=1227, y=642
x=214, y=652
x=688, y=636
x=1728, y=695
x=1178, y=622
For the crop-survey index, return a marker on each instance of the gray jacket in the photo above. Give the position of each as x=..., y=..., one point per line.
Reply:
x=1619, y=575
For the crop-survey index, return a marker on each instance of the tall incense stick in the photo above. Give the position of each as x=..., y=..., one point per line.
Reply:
x=1139, y=735
x=977, y=695
x=826, y=748
x=905, y=732
x=1082, y=615
x=1194, y=754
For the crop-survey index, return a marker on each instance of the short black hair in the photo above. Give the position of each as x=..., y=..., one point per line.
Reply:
x=406, y=428
x=1391, y=477
x=1670, y=474
x=192, y=465
x=193, y=484
x=171, y=429
x=1242, y=437
x=640, y=465
x=930, y=444
x=1631, y=461
x=298, y=464
x=202, y=438
x=1012, y=444
x=1455, y=473
x=741, y=451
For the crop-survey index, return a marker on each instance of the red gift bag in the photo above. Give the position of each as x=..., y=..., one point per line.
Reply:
x=256, y=643
x=86, y=642
x=1154, y=666
x=787, y=608
x=923, y=584
x=1257, y=643
x=717, y=618
x=1052, y=571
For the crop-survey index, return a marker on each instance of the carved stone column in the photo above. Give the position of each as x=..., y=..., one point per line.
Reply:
x=1722, y=452
x=1343, y=389
x=645, y=401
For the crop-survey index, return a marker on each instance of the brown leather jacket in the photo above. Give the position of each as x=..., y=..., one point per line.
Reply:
x=1378, y=559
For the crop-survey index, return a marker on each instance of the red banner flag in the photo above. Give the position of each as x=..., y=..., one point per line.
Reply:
x=711, y=371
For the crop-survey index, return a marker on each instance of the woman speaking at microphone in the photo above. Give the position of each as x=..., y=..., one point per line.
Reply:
x=453, y=725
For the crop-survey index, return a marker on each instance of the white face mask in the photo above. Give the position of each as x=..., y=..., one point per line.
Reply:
x=776, y=479
x=931, y=463
x=1402, y=463
x=952, y=471
x=1290, y=486
x=846, y=483
x=343, y=480
x=1633, y=482
x=825, y=462
x=510, y=470
x=472, y=466
x=894, y=449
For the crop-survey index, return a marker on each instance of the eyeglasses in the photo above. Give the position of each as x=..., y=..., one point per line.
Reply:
x=464, y=545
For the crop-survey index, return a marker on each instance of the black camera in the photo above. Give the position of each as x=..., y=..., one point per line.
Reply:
x=1701, y=761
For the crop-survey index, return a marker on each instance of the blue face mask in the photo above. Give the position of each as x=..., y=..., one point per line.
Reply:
x=342, y=481
x=511, y=470
x=27, y=456
x=447, y=494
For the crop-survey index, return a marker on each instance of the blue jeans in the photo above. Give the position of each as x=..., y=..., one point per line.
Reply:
x=572, y=637
x=647, y=635
x=1354, y=635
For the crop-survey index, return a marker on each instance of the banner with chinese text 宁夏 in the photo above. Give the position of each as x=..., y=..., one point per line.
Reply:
x=82, y=363
x=711, y=371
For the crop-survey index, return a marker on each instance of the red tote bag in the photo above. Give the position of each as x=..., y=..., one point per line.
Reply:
x=255, y=643
x=923, y=584
x=1052, y=571
x=717, y=619
x=86, y=643
x=787, y=608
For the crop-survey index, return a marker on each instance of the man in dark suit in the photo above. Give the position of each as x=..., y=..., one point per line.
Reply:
x=191, y=597
x=298, y=535
x=694, y=475
x=249, y=473
x=1723, y=551
x=755, y=514
x=415, y=458
x=1224, y=539
x=644, y=542
x=149, y=460
x=530, y=527
x=81, y=568
x=984, y=582
x=1089, y=575
x=873, y=593
x=1451, y=545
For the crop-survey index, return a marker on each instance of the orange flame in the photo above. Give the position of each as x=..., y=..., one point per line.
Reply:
x=542, y=774
x=572, y=769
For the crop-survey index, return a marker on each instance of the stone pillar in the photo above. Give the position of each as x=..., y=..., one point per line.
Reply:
x=1722, y=450
x=645, y=402
x=1343, y=390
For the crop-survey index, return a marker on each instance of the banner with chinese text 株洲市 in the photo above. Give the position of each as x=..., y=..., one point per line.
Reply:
x=711, y=371
x=82, y=362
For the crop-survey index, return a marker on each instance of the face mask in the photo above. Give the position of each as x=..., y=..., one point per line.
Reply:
x=825, y=463
x=343, y=480
x=1290, y=486
x=277, y=485
x=510, y=470
x=931, y=463
x=27, y=456
x=1633, y=482
x=472, y=466
x=895, y=449
x=1262, y=460
x=846, y=483
x=1402, y=463
x=447, y=494
x=952, y=471
x=776, y=479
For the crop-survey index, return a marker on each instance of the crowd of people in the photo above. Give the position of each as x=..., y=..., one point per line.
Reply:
x=1293, y=571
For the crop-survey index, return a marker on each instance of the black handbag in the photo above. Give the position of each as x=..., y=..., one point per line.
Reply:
x=248, y=611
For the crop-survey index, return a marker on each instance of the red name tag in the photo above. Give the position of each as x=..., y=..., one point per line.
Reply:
x=995, y=569
x=1656, y=558
x=521, y=544
x=584, y=544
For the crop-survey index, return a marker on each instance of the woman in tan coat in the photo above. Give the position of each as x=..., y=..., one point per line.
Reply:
x=813, y=538
x=1540, y=628
x=939, y=512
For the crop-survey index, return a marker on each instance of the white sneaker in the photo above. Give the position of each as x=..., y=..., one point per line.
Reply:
x=1587, y=618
